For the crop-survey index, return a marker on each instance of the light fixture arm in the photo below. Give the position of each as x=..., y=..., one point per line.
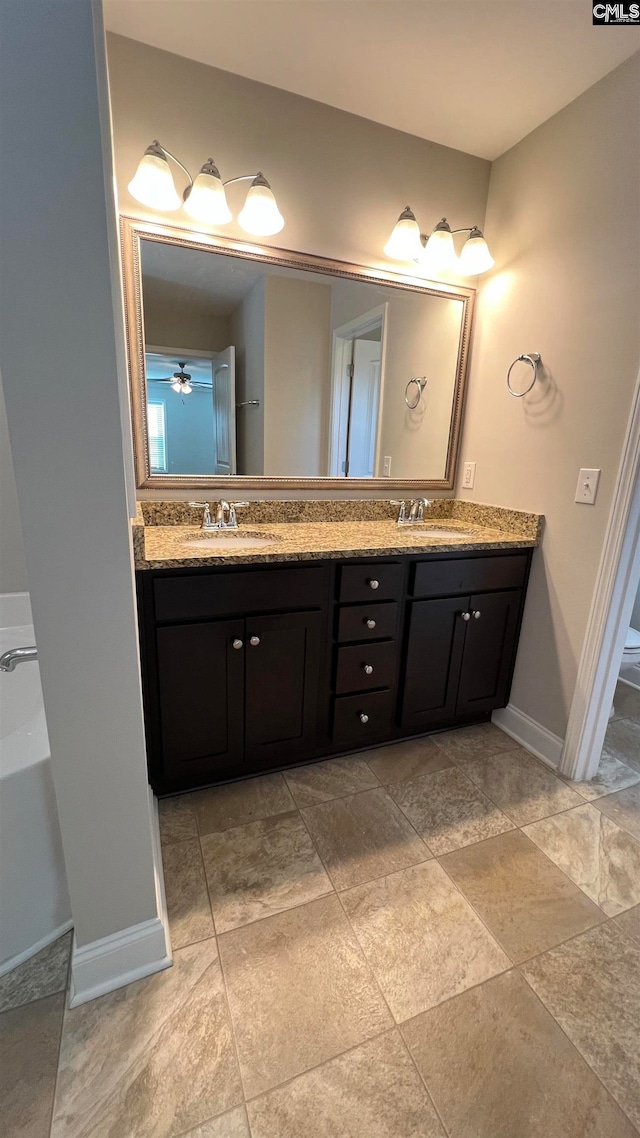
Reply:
x=168, y=154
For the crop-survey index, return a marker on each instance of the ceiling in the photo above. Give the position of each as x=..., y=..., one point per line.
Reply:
x=476, y=75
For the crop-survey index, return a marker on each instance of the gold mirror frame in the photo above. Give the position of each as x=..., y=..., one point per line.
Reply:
x=133, y=229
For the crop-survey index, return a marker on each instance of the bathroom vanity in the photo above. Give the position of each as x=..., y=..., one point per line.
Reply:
x=251, y=667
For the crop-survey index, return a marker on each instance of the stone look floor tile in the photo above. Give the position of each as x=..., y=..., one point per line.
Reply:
x=333, y=778
x=622, y=741
x=223, y=807
x=521, y=786
x=186, y=889
x=29, y=1042
x=612, y=775
x=477, y=742
x=373, y=1091
x=592, y=987
x=629, y=922
x=527, y=903
x=233, y=1124
x=362, y=837
x=263, y=868
x=448, y=811
x=43, y=975
x=177, y=819
x=153, y=1059
x=399, y=762
x=491, y=1059
x=300, y=992
x=421, y=938
x=623, y=808
x=595, y=853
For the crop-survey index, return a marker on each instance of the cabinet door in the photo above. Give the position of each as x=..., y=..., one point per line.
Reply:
x=488, y=651
x=282, y=684
x=434, y=655
x=201, y=690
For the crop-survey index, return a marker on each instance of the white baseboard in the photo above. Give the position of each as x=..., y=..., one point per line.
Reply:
x=21, y=957
x=530, y=734
x=128, y=955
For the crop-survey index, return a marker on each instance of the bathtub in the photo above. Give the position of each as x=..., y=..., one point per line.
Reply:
x=34, y=900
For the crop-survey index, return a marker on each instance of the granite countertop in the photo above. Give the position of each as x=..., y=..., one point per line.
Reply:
x=162, y=546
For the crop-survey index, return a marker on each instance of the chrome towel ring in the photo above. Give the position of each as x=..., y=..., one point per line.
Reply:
x=532, y=359
x=420, y=382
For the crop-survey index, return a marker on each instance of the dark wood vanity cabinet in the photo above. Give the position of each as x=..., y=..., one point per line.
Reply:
x=258, y=667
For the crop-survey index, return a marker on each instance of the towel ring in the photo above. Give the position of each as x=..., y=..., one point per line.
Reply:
x=421, y=383
x=533, y=359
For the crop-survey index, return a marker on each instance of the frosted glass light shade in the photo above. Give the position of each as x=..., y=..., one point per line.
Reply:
x=439, y=254
x=182, y=387
x=260, y=214
x=152, y=183
x=404, y=243
x=475, y=256
x=207, y=200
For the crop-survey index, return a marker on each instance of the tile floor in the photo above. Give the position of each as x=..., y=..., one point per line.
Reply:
x=437, y=939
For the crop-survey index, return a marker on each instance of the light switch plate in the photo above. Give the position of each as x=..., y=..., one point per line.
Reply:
x=587, y=487
x=468, y=475
x=386, y=466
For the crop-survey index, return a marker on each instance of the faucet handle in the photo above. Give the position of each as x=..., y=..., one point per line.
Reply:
x=233, y=506
x=206, y=521
x=239, y=505
x=402, y=512
x=199, y=505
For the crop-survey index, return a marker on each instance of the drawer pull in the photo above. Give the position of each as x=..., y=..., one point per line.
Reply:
x=237, y=643
x=254, y=641
x=476, y=614
x=373, y=584
x=465, y=615
x=367, y=669
x=370, y=622
x=363, y=717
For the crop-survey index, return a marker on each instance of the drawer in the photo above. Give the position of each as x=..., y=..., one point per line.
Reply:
x=364, y=666
x=200, y=596
x=370, y=581
x=367, y=622
x=469, y=575
x=362, y=719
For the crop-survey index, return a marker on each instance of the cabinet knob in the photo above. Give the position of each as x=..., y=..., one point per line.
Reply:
x=476, y=614
x=465, y=615
x=237, y=644
x=363, y=717
x=370, y=623
x=254, y=641
x=373, y=584
x=367, y=669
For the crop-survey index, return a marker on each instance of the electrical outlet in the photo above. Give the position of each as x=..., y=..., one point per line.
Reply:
x=587, y=487
x=468, y=475
x=386, y=466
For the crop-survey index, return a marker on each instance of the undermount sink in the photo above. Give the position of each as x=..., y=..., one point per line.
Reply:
x=230, y=540
x=440, y=531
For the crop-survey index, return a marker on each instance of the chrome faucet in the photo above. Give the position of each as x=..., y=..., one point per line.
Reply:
x=417, y=508
x=226, y=517
x=17, y=656
x=416, y=511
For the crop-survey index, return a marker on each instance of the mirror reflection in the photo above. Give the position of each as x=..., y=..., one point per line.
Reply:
x=269, y=370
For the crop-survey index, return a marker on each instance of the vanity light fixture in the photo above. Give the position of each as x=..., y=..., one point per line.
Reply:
x=205, y=198
x=436, y=253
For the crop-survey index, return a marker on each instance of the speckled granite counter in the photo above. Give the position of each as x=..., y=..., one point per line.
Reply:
x=305, y=531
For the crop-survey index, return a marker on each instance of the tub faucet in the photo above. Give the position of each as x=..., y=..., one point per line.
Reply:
x=17, y=656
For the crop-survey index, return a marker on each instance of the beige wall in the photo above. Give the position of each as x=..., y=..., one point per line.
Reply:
x=562, y=221
x=247, y=333
x=170, y=321
x=13, y=570
x=59, y=358
x=296, y=369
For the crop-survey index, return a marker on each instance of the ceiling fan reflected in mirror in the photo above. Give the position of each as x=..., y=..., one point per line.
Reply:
x=181, y=381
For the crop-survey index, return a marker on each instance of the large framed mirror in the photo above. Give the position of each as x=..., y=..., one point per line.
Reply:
x=263, y=369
